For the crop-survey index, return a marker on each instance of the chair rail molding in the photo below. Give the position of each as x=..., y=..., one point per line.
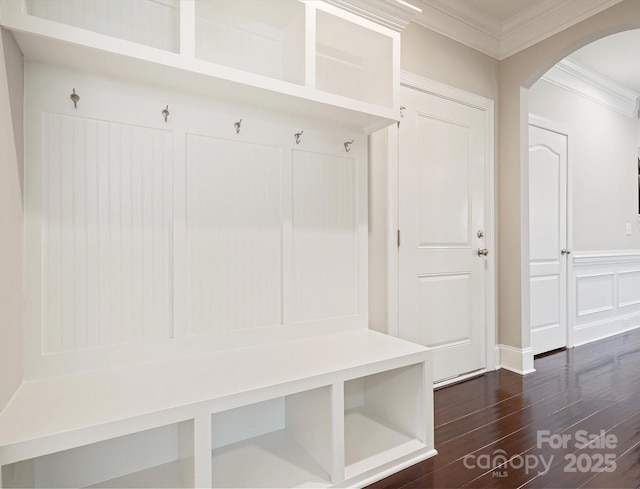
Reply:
x=604, y=257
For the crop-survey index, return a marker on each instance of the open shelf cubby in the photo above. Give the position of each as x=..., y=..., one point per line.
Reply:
x=152, y=23
x=383, y=418
x=156, y=458
x=353, y=61
x=265, y=37
x=282, y=442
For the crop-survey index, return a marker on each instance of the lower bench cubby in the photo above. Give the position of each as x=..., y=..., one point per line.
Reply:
x=384, y=418
x=152, y=458
x=283, y=442
x=345, y=411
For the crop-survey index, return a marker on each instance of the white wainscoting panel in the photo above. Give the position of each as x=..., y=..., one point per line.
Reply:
x=629, y=288
x=325, y=238
x=106, y=233
x=595, y=293
x=234, y=227
x=607, y=294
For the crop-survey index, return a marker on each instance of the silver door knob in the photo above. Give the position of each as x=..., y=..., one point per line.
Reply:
x=565, y=251
x=483, y=252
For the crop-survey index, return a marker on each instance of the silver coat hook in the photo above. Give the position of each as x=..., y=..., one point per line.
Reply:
x=75, y=98
x=347, y=145
x=237, y=126
x=165, y=113
x=402, y=107
x=297, y=136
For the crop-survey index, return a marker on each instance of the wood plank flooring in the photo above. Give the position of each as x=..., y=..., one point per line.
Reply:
x=503, y=430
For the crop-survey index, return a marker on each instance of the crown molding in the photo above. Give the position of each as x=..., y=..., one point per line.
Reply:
x=544, y=20
x=443, y=19
x=456, y=20
x=394, y=14
x=580, y=80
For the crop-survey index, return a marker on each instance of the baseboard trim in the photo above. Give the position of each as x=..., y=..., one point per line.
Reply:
x=518, y=360
x=600, y=330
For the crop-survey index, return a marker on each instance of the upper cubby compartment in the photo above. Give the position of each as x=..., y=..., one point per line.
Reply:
x=265, y=37
x=333, y=62
x=153, y=23
x=354, y=61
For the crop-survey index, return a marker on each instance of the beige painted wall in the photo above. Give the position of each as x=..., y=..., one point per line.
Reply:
x=434, y=56
x=603, y=167
x=11, y=356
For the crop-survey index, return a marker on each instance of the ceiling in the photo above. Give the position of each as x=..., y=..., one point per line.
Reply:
x=500, y=28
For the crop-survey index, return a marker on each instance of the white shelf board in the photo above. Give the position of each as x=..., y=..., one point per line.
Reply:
x=162, y=476
x=370, y=443
x=70, y=47
x=272, y=460
x=57, y=413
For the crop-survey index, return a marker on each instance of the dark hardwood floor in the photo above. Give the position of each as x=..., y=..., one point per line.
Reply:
x=503, y=430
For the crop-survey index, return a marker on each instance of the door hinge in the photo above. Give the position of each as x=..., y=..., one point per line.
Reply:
x=398, y=238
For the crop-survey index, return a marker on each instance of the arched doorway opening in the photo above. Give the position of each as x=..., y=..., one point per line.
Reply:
x=517, y=75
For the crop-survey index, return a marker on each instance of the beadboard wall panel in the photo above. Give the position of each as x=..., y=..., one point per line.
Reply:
x=106, y=233
x=244, y=238
x=325, y=236
x=234, y=226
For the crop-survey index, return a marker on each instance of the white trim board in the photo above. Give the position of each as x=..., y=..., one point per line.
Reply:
x=579, y=79
x=605, y=257
x=518, y=360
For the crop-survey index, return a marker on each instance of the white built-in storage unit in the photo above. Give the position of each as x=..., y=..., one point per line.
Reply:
x=195, y=228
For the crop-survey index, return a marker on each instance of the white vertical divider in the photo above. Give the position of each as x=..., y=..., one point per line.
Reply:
x=186, y=452
x=425, y=419
x=309, y=422
x=188, y=28
x=202, y=451
x=395, y=73
x=337, y=407
x=310, y=46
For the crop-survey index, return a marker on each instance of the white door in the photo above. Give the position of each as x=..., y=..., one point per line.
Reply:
x=548, y=238
x=442, y=158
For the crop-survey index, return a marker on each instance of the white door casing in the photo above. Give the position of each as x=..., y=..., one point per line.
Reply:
x=444, y=182
x=548, y=234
